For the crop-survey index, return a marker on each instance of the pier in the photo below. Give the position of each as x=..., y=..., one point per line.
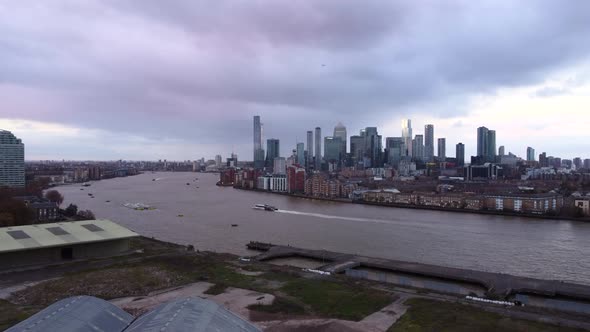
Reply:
x=496, y=284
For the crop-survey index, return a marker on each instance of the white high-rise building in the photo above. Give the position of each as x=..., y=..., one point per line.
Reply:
x=12, y=160
x=407, y=136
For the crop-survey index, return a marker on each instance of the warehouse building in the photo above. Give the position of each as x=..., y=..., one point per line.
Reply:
x=87, y=313
x=57, y=242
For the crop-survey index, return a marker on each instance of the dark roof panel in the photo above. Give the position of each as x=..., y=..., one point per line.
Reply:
x=77, y=314
x=191, y=314
x=18, y=235
x=57, y=231
x=92, y=228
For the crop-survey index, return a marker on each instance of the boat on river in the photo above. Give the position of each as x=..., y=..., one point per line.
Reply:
x=264, y=207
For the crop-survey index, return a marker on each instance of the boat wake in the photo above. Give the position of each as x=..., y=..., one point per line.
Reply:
x=327, y=216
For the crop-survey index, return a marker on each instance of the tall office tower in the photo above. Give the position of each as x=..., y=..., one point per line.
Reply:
x=357, y=148
x=501, y=151
x=340, y=131
x=394, y=147
x=12, y=160
x=318, y=148
x=491, y=145
x=530, y=154
x=373, y=147
x=218, y=160
x=482, y=142
x=418, y=148
x=442, y=149
x=460, y=154
x=543, y=160
x=300, y=154
x=429, y=142
x=309, y=148
x=258, y=150
x=578, y=163
x=272, y=151
x=333, y=150
x=407, y=135
x=587, y=164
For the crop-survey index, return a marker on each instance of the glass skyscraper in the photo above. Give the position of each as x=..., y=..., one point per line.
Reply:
x=429, y=142
x=340, y=131
x=12, y=160
x=407, y=136
x=318, y=148
x=272, y=151
x=258, y=150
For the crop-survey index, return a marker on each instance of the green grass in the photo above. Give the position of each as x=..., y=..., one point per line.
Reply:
x=338, y=300
x=430, y=315
x=10, y=314
x=216, y=289
x=280, y=305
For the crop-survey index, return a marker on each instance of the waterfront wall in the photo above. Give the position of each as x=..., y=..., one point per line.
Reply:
x=424, y=207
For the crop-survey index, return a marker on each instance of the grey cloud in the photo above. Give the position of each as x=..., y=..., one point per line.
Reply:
x=551, y=91
x=198, y=70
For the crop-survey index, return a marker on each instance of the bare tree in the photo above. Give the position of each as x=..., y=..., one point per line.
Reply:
x=54, y=196
x=85, y=215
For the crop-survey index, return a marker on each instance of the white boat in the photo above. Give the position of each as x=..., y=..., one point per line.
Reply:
x=264, y=207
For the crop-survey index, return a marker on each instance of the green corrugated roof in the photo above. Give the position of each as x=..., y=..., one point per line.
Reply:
x=78, y=232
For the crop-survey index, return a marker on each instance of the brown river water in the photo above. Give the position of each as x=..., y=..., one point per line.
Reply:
x=545, y=249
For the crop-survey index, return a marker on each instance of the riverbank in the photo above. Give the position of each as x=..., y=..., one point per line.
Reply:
x=423, y=207
x=285, y=298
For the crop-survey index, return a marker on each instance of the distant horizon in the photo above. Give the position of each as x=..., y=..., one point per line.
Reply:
x=140, y=81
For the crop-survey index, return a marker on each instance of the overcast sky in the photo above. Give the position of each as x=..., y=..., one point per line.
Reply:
x=177, y=80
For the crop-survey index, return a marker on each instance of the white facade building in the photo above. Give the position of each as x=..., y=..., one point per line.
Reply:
x=278, y=183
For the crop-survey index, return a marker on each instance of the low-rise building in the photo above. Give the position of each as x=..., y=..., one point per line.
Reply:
x=55, y=242
x=296, y=179
x=533, y=204
x=45, y=211
x=584, y=205
x=320, y=185
x=278, y=183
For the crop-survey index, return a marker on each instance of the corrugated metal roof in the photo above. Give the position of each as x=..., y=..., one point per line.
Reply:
x=52, y=235
x=78, y=313
x=191, y=314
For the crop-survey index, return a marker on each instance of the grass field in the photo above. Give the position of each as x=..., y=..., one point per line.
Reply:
x=430, y=315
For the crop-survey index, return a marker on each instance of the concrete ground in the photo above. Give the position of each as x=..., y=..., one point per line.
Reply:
x=379, y=321
x=234, y=299
x=237, y=300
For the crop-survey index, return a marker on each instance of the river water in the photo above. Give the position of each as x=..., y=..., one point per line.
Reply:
x=544, y=249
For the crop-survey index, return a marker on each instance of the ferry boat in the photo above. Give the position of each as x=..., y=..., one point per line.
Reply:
x=264, y=207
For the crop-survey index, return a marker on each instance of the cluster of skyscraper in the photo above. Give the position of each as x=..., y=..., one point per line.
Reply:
x=486, y=144
x=366, y=149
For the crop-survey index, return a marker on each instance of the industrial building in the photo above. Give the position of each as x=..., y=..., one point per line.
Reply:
x=87, y=313
x=56, y=242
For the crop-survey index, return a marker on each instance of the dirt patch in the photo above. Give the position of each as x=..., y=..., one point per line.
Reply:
x=130, y=281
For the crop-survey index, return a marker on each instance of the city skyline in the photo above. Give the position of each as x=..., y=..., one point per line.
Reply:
x=161, y=84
